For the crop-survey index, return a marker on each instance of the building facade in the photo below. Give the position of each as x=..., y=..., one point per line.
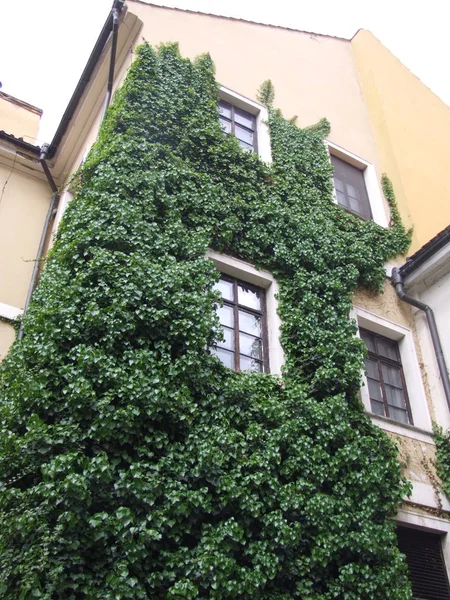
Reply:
x=381, y=116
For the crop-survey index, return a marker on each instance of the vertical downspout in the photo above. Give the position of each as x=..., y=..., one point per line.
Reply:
x=397, y=282
x=112, y=62
x=45, y=231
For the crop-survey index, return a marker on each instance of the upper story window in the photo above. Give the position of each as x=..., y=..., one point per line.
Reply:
x=385, y=379
x=243, y=320
x=350, y=187
x=356, y=185
x=240, y=123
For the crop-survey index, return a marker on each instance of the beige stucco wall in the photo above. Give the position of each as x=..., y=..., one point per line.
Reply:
x=412, y=130
x=23, y=208
x=7, y=335
x=19, y=118
x=314, y=76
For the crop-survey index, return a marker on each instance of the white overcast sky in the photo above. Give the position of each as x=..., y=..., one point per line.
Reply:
x=44, y=44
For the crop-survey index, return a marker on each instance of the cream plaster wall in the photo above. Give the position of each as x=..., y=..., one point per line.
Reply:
x=412, y=131
x=18, y=118
x=7, y=335
x=24, y=204
x=314, y=76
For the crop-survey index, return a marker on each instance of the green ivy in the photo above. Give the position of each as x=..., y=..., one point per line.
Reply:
x=133, y=464
x=442, y=441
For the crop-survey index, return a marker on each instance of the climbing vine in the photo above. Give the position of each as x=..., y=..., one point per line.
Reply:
x=442, y=441
x=133, y=464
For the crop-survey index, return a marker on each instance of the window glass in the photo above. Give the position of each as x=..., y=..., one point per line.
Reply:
x=351, y=192
x=239, y=123
x=244, y=329
x=385, y=380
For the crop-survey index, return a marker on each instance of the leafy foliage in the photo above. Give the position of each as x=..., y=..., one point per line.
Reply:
x=133, y=464
x=442, y=441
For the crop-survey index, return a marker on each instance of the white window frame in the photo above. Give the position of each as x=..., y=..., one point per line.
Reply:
x=376, y=201
x=422, y=428
x=261, y=119
x=10, y=313
x=239, y=269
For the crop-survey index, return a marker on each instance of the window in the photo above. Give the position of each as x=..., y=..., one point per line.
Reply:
x=427, y=572
x=240, y=123
x=350, y=187
x=243, y=320
x=247, y=121
x=385, y=379
x=402, y=354
x=357, y=186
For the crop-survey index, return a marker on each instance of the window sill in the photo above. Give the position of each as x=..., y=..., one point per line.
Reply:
x=411, y=431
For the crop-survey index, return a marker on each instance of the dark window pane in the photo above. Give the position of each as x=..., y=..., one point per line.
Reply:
x=350, y=188
x=394, y=396
x=375, y=390
x=377, y=408
x=250, y=364
x=250, y=323
x=388, y=348
x=225, y=288
x=225, y=110
x=251, y=346
x=244, y=118
x=398, y=415
x=226, y=125
x=243, y=135
x=372, y=368
x=228, y=341
x=226, y=315
x=391, y=375
x=249, y=297
x=367, y=338
x=226, y=357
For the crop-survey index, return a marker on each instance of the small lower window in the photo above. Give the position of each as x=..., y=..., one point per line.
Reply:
x=385, y=379
x=243, y=320
x=427, y=572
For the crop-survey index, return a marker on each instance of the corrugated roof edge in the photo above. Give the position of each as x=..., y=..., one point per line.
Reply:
x=198, y=12
x=21, y=103
x=428, y=250
x=19, y=142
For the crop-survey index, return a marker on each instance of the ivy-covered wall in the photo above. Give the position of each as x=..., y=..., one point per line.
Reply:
x=133, y=464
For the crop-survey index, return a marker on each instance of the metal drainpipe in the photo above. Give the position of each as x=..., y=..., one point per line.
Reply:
x=112, y=62
x=397, y=282
x=45, y=231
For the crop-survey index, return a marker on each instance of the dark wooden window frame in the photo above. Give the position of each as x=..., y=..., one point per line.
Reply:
x=233, y=123
x=380, y=359
x=362, y=170
x=236, y=308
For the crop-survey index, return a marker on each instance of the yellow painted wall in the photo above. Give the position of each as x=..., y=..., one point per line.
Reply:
x=7, y=336
x=23, y=207
x=412, y=131
x=19, y=118
x=314, y=76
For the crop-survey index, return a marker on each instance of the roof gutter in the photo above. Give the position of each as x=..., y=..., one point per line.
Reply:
x=51, y=212
x=397, y=282
x=103, y=38
x=423, y=255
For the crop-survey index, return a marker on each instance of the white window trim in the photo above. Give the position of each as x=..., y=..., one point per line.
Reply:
x=10, y=313
x=263, y=279
x=422, y=428
x=262, y=117
x=431, y=524
x=376, y=201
